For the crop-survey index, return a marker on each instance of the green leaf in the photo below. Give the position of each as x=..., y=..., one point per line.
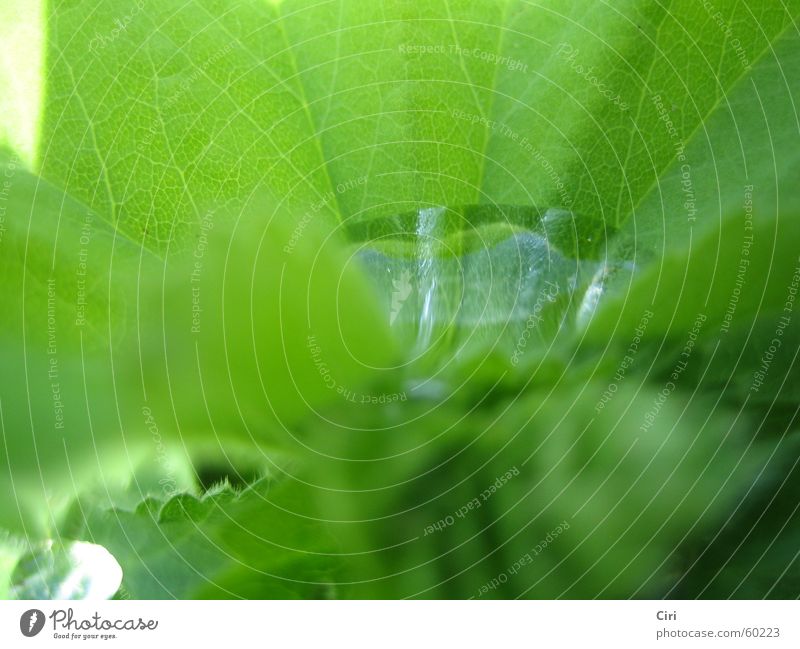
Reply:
x=250, y=544
x=109, y=363
x=458, y=103
x=327, y=231
x=743, y=163
x=401, y=106
x=753, y=554
x=156, y=113
x=539, y=493
x=66, y=278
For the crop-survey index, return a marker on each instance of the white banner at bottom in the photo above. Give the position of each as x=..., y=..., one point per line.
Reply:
x=386, y=624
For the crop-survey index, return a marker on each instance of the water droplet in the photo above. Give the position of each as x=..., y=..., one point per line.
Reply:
x=76, y=570
x=480, y=275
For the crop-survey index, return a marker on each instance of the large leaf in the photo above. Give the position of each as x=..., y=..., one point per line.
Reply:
x=538, y=496
x=377, y=108
x=248, y=544
x=112, y=356
x=225, y=173
x=754, y=553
